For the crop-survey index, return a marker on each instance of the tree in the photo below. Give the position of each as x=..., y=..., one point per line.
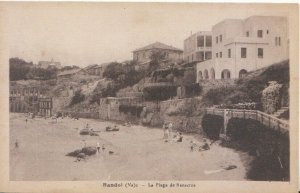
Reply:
x=18, y=68
x=113, y=70
x=77, y=98
x=41, y=74
x=156, y=57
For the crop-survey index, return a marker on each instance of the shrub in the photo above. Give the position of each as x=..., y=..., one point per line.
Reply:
x=41, y=74
x=159, y=93
x=271, y=97
x=238, y=97
x=212, y=125
x=193, y=90
x=122, y=76
x=77, y=98
x=218, y=95
x=189, y=77
x=247, y=106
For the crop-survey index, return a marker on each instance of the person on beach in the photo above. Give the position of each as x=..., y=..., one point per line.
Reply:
x=87, y=126
x=83, y=143
x=16, y=144
x=98, y=147
x=176, y=136
x=103, y=148
x=170, y=128
x=168, y=132
x=165, y=131
x=193, y=145
x=179, y=137
x=205, y=146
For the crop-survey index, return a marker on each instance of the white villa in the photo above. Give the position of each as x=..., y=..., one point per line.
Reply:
x=239, y=46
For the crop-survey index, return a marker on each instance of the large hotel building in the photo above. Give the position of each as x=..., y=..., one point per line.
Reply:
x=235, y=47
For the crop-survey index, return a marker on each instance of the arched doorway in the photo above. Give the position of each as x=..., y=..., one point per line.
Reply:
x=212, y=73
x=206, y=74
x=225, y=74
x=242, y=73
x=200, y=76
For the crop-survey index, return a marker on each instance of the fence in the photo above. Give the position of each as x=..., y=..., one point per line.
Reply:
x=265, y=119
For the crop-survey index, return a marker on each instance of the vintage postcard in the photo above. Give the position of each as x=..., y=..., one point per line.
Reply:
x=149, y=97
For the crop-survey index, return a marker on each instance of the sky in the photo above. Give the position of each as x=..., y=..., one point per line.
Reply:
x=93, y=33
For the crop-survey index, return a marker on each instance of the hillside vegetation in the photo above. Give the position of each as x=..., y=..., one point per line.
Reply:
x=249, y=88
x=19, y=69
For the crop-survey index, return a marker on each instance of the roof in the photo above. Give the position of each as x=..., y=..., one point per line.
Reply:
x=266, y=17
x=91, y=66
x=49, y=63
x=198, y=33
x=68, y=72
x=158, y=45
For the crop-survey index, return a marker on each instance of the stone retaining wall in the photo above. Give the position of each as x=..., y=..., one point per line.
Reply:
x=88, y=115
x=185, y=114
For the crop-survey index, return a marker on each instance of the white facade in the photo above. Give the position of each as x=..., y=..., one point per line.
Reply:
x=240, y=46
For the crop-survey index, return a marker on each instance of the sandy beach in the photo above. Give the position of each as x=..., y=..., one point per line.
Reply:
x=140, y=153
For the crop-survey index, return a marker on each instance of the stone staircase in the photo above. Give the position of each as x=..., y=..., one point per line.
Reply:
x=281, y=111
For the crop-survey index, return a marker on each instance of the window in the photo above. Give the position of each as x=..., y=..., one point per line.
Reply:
x=200, y=41
x=225, y=74
x=207, y=55
x=259, y=33
x=220, y=38
x=216, y=55
x=242, y=73
x=247, y=34
x=192, y=57
x=216, y=39
x=229, y=53
x=260, y=52
x=267, y=31
x=208, y=41
x=276, y=40
x=279, y=41
x=243, y=52
x=200, y=75
x=220, y=54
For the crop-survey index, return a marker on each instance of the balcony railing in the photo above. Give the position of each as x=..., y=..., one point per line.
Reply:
x=265, y=119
